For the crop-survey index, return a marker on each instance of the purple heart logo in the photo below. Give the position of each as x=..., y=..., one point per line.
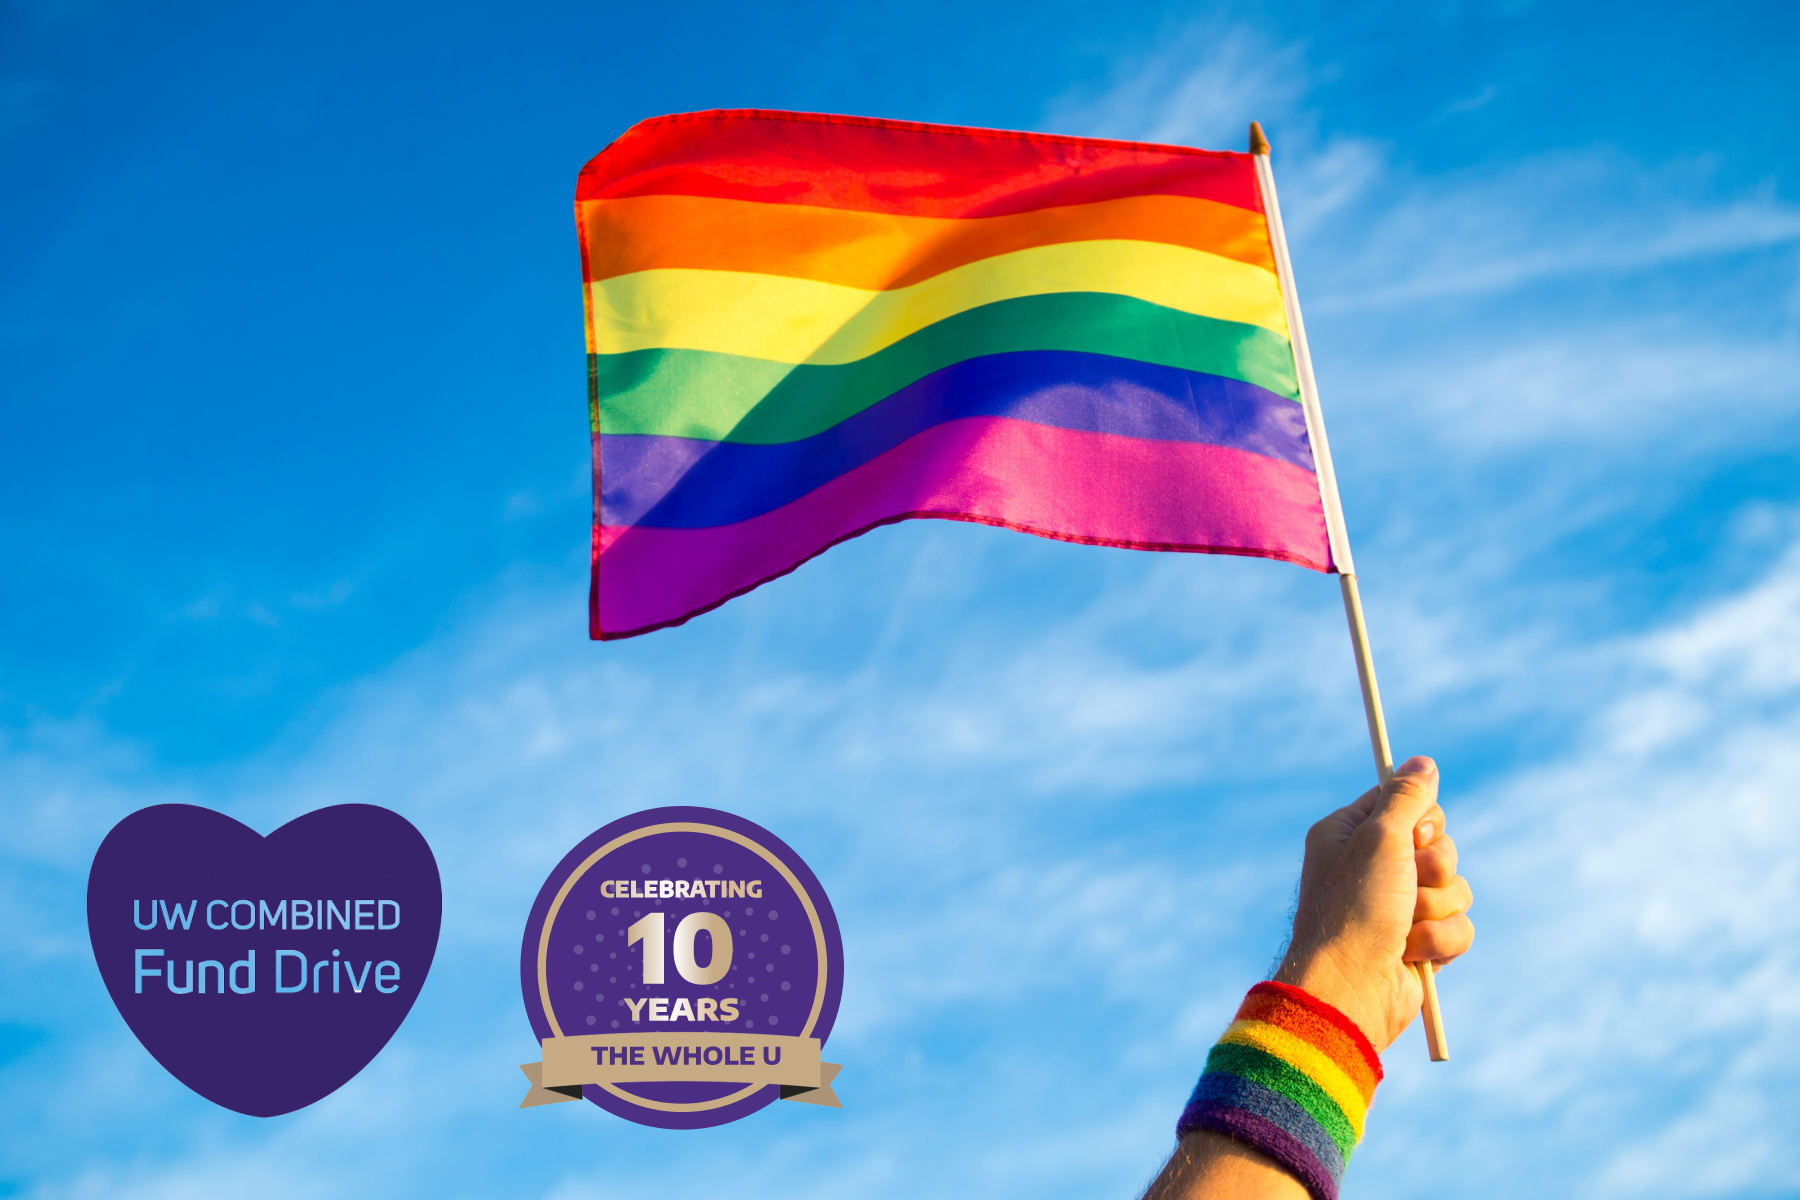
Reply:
x=264, y=973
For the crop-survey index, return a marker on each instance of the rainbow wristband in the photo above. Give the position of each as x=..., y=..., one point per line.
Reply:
x=1292, y=1077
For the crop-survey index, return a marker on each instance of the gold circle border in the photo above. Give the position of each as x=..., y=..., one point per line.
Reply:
x=812, y=915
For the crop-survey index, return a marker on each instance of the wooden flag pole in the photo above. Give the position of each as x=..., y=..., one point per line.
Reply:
x=1339, y=537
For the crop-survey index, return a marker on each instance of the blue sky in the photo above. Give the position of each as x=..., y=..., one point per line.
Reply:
x=294, y=502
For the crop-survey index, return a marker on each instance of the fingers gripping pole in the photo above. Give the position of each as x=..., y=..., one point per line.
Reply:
x=1336, y=532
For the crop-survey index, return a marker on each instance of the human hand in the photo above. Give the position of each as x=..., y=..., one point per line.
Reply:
x=1379, y=891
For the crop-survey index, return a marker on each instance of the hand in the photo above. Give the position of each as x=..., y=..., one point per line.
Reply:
x=1378, y=891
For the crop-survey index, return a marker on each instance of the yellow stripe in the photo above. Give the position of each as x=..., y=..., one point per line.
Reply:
x=782, y=319
x=1300, y=1053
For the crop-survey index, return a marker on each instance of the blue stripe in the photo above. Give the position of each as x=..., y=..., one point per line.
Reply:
x=688, y=483
x=1234, y=1091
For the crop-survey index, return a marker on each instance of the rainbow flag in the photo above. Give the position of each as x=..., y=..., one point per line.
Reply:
x=801, y=327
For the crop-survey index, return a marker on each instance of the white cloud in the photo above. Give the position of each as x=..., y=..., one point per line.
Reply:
x=1624, y=383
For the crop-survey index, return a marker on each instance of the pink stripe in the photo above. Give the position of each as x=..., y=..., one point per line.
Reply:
x=1098, y=488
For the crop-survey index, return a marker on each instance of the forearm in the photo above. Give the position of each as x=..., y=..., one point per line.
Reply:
x=1211, y=1166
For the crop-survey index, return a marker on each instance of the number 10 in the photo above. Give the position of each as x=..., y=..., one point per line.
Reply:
x=650, y=932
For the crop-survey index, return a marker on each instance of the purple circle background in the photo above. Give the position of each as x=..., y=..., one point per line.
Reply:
x=590, y=968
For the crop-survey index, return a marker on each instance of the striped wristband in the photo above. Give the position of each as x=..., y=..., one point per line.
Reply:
x=1292, y=1077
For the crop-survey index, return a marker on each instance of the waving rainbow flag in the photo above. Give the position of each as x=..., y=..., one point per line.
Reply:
x=801, y=327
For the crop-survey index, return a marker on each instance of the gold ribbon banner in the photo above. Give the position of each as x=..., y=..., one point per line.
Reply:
x=570, y=1062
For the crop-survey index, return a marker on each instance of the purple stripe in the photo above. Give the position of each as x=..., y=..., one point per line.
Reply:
x=688, y=483
x=1059, y=483
x=1267, y=1137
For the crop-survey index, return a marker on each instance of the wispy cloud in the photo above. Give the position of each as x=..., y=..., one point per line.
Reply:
x=1638, y=904
x=1639, y=901
x=1471, y=103
x=1202, y=89
x=1541, y=220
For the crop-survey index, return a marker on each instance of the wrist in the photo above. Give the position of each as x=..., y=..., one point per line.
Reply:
x=1319, y=974
x=1212, y=1164
x=1292, y=1078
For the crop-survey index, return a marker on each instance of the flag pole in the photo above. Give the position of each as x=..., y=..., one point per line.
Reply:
x=1339, y=537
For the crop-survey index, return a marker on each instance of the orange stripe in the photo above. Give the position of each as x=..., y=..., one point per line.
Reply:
x=1283, y=1013
x=887, y=250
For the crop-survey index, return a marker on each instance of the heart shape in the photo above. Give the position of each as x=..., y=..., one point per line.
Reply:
x=308, y=947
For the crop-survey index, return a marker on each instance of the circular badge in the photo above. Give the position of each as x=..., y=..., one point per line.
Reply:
x=683, y=967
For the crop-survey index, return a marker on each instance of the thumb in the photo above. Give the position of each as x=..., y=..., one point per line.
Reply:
x=1407, y=796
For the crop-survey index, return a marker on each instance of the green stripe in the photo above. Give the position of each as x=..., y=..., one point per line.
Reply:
x=729, y=398
x=1259, y=1066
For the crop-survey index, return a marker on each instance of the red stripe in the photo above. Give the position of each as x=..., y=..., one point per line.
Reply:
x=1266, y=1002
x=899, y=166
